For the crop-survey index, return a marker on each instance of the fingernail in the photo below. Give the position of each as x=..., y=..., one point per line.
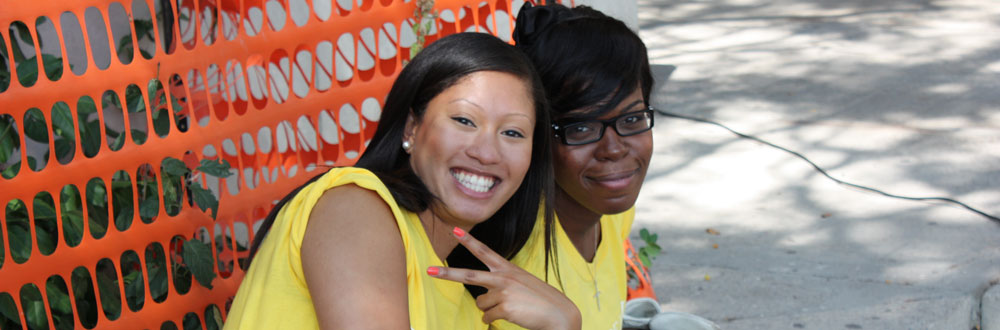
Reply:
x=458, y=232
x=433, y=271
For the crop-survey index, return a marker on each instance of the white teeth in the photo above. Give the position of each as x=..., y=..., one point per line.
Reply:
x=474, y=182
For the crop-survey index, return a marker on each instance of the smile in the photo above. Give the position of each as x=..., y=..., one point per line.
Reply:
x=474, y=182
x=615, y=181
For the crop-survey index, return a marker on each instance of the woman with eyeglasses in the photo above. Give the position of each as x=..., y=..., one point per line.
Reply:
x=597, y=79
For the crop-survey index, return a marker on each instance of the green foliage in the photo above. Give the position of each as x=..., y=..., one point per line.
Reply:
x=12, y=318
x=424, y=16
x=62, y=311
x=651, y=250
x=204, y=198
x=646, y=254
x=101, y=199
x=217, y=168
x=198, y=257
x=34, y=308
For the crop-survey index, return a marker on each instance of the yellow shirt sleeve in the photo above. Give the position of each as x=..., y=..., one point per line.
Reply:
x=274, y=294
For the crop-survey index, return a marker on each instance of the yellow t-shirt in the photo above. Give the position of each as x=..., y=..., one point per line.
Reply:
x=274, y=294
x=576, y=275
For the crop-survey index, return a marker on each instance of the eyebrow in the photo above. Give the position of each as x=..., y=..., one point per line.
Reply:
x=466, y=101
x=572, y=117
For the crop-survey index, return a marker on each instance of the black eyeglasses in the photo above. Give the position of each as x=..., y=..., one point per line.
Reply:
x=590, y=131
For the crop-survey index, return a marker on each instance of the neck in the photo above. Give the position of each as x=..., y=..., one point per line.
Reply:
x=582, y=225
x=439, y=232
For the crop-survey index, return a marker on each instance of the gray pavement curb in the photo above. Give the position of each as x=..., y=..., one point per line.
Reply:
x=991, y=309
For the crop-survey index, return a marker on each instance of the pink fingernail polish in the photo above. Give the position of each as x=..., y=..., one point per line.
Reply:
x=433, y=271
x=458, y=232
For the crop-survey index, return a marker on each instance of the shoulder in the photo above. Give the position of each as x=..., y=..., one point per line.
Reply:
x=356, y=209
x=354, y=259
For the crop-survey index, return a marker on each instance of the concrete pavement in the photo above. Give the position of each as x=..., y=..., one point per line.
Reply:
x=900, y=95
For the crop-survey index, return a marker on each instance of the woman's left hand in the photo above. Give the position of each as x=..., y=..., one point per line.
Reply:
x=513, y=294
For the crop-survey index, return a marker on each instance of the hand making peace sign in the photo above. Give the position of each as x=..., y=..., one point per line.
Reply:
x=513, y=294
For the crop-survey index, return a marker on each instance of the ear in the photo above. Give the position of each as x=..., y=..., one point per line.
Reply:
x=410, y=129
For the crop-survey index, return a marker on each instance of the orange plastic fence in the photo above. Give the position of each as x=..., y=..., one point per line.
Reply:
x=643, y=286
x=280, y=89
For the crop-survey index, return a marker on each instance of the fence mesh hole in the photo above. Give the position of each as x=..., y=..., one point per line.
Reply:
x=86, y=299
x=59, y=304
x=46, y=226
x=107, y=285
x=18, y=231
x=72, y=214
x=97, y=207
x=33, y=308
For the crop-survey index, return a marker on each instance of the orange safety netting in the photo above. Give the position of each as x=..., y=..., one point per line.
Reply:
x=279, y=89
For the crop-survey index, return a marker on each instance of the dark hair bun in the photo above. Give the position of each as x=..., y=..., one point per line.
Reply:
x=532, y=20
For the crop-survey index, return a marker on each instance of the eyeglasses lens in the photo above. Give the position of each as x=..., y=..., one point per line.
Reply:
x=593, y=130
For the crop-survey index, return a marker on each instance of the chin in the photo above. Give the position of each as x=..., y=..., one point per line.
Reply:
x=617, y=205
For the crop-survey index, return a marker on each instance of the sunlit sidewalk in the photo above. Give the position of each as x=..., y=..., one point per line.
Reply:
x=902, y=96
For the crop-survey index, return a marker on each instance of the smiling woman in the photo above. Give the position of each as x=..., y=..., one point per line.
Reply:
x=461, y=147
x=471, y=172
x=597, y=78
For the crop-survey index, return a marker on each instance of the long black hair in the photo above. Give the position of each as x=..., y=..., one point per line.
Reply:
x=587, y=60
x=438, y=67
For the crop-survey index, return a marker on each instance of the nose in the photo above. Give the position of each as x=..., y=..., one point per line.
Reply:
x=485, y=149
x=611, y=146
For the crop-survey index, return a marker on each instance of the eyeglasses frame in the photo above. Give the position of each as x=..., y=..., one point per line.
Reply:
x=559, y=128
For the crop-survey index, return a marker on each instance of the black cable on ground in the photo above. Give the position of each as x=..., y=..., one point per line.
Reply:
x=821, y=171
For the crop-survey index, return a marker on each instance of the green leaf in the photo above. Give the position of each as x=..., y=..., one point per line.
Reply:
x=174, y=166
x=138, y=136
x=652, y=251
x=23, y=32
x=149, y=208
x=134, y=289
x=143, y=28
x=20, y=238
x=218, y=168
x=53, y=66
x=644, y=234
x=34, y=126
x=133, y=98
x=110, y=294
x=204, y=198
x=27, y=70
x=58, y=298
x=64, y=150
x=8, y=309
x=8, y=138
x=125, y=48
x=118, y=142
x=73, y=226
x=655, y=248
x=198, y=258
x=62, y=120
x=36, y=314
x=191, y=322
x=47, y=236
x=157, y=281
x=90, y=127
x=44, y=210
x=161, y=125
x=644, y=260
x=216, y=318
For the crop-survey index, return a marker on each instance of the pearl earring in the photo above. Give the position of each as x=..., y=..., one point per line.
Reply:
x=407, y=145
